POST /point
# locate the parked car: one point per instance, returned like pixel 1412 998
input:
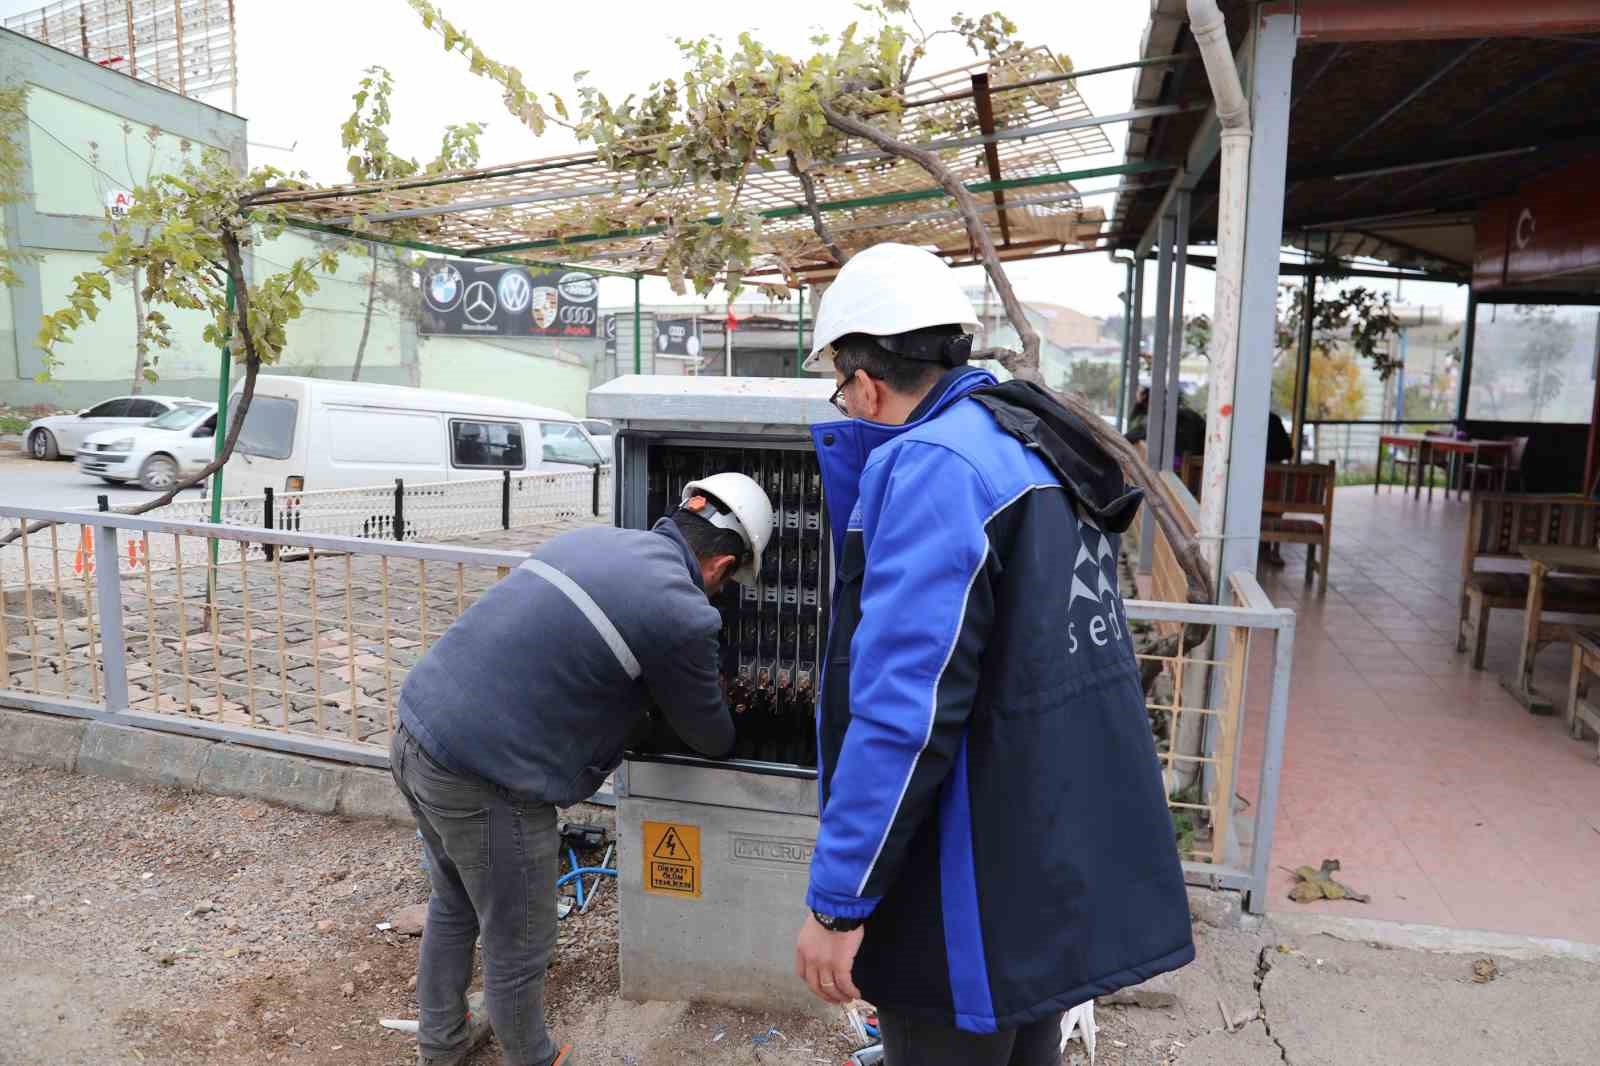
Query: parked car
pixel 315 433
pixel 156 454
pixel 60 436
pixel 600 432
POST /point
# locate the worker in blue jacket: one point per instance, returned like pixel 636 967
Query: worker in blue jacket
pixel 994 846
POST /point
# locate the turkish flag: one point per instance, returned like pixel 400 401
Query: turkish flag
pixel 732 320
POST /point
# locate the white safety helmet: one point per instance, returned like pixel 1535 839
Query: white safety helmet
pixel 884 291
pixel 736 502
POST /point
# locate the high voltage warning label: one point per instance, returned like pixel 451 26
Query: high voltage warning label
pixel 672 859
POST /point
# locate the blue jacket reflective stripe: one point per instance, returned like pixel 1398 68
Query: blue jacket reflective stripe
pixel 989 792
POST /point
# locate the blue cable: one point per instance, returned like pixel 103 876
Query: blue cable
pixel 572 857
pixel 569 875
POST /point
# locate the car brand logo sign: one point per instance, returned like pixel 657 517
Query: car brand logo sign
pixel 444 287
pixel 479 302
pixel 515 291
pixel 579 288
pixel 546 304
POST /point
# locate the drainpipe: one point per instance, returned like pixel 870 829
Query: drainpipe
pixel 1233 113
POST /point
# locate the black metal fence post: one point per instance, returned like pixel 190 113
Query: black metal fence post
pixel 505 499
pixel 399 509
pixel 594 502
pixel 267 518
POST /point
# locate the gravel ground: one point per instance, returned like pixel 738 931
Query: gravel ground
pixel 145 926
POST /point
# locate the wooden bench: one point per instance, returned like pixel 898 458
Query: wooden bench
pixel 1500 526
pixel 1296 508
pixel 1583 712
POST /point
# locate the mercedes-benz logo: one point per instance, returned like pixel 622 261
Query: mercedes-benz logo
pixel 479 302
pixel 515 291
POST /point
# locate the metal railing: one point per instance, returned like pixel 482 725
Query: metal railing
pixel 300 641
pixel 1353 444
pixel 404 511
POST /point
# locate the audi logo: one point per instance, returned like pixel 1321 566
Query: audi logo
pixel 577 316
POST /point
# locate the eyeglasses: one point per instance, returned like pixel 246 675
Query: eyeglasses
pixel 838 394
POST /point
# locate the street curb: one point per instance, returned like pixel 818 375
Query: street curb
pixel 171 760
pixel 1433 938
pixel 40 740
pixel 289 780
pixel 142 757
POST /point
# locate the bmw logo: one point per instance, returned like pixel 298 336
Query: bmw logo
pixel 444 287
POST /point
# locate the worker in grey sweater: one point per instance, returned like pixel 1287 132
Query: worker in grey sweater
pixel 526 703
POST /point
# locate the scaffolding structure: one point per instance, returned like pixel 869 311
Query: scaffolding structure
pixel 188 46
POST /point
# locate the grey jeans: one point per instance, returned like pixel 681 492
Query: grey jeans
pixel 913 1043
pixel 493 863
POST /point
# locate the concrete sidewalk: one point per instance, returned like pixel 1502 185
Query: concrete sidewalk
pixel 1313 999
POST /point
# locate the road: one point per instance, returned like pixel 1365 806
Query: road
pixel 30 483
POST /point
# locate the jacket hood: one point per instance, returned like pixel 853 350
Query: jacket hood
pixel 1086 469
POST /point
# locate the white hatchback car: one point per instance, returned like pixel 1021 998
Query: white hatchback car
pixel 60 436
pixel 156 454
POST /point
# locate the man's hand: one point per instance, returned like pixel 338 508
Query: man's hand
pixel 823 960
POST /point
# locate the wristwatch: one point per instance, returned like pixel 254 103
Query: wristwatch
pixel 834 924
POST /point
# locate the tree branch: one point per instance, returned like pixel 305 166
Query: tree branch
pixel 970 214
pixel 809 187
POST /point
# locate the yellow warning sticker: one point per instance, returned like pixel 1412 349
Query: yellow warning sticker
pixel 672 859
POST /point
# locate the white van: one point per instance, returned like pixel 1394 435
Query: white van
pixel 314 433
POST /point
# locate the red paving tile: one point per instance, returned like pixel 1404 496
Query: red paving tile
pixel 1439 794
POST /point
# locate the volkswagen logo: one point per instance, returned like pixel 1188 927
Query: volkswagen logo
pixel 479 303
pixel 515 291
pixel 444 287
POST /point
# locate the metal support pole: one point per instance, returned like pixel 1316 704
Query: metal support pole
pixel 1273 48
pixel 1302 372
pixel 399 509
pixel 1127 348
pixel 1156 439
pixel 1174 393
pixel 1136 321
pixel 224 372
pixel 1271 765
pixel 1468 350
pixel 800 332
pixel 113 646
pixel 638 353
pixel 1155 420
pixel 1270 75
pixel 505 499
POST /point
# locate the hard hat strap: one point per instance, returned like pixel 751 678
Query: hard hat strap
pixel 922 346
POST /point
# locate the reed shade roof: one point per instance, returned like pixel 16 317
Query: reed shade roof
pixel 537 212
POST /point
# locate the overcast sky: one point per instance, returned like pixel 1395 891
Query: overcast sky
pixel 300 62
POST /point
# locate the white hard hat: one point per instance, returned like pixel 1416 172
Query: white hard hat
pixel 738 504
pixel 886 290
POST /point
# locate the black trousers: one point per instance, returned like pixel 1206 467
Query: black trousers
pixel 913 1043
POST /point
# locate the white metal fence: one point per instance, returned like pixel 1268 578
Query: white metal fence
pixel 429 511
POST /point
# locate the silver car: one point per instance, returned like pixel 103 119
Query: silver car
pixel 60 436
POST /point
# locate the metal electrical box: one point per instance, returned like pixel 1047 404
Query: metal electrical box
pixel 714 855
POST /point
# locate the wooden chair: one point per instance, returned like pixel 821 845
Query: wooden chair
pixel 1500 525
pixel 1509 467
pixel 1290 493
pixel 1581 711
pixel 1296 508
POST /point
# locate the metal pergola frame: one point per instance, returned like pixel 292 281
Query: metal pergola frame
pixel 512 214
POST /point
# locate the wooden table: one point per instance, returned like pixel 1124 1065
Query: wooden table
pixel 1546 559
pixel 1423 448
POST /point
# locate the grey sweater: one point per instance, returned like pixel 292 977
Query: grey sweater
pixel 526 693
